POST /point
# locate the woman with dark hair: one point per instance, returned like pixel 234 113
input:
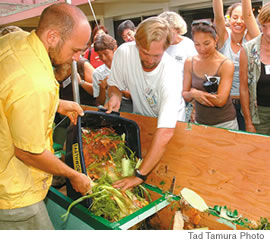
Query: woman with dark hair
pixel 242 28
pixel 208 79
pixel 90 53
pixel 255 77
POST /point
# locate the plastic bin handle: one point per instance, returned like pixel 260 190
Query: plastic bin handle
pixel 101 109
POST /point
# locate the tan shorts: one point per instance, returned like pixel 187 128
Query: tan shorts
pixel 34 217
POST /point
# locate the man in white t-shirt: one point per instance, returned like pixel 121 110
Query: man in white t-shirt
pixel 155 83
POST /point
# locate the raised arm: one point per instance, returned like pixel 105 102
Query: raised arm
pixel 244 92
pixel 219 21
pixel 249 19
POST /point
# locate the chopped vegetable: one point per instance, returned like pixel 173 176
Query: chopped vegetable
pixel 178 221
pixel 194 199
pixel 263 225
pixel 162 183
pixel 107 159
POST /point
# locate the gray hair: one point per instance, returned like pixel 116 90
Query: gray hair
pixel 176 21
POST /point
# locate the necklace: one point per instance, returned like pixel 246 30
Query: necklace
pixel 237 43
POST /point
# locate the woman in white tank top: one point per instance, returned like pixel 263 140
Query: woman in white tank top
pixel 242 28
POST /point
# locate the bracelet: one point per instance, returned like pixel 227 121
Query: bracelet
pixel 82 82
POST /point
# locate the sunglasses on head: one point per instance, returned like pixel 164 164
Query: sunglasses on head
pixel 203 22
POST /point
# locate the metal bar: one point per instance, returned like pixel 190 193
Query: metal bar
pixel 172 185
pixel 75 85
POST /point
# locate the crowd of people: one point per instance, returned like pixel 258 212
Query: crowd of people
pixel 223 72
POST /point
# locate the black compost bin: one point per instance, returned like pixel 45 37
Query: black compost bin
pixel 95 120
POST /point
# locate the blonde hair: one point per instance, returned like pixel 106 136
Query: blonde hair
pixel 153 29
pixel 231 8
pixel 264 15
pixel 176 21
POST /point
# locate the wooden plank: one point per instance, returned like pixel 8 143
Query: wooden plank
pixel 223 167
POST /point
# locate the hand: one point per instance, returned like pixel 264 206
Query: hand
pixel 127 182
pixel 103 83
pixel 70 109
pixel 81 183
pixel 203 97
pixel 79 79
pixel 193 114
pixel 113 104
pixel 250 128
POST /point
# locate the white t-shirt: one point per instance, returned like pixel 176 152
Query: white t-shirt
pixel 99 74
pixel 157 93
pixel 181 51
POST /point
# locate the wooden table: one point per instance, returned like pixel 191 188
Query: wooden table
pixel 224 167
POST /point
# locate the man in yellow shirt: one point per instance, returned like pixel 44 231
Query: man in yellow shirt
pixel 28 102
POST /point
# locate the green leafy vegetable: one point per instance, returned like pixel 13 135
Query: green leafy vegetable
pixel 109 159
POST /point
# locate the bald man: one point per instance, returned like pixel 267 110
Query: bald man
pixel 28 102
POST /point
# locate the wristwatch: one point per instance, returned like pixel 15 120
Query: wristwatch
pixel 139 175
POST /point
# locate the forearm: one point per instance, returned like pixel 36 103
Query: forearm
pixel 219 20
pixel 244 89
pixel 158 145
pixel 244 99
pixel 249 18
pixel 126 94
pixel 220 99
pixel 189 95
pixel 102 96
pixel 46 162
pixel 114 92
pixel 246 9
pixel 88 87
pixel 218 11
